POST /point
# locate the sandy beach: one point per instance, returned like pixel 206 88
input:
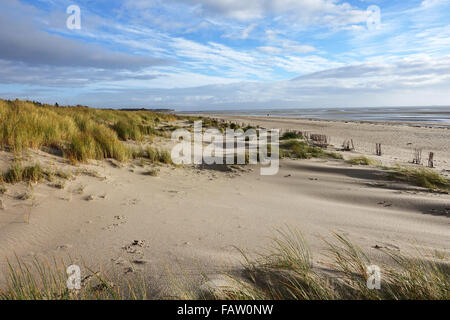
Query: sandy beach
pixel 398 139
pixel 190 219
pixel 244 151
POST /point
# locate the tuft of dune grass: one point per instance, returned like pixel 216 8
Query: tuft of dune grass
pixel 31 173
pixel 152 172
pixel 79 133
pixel 301 150
pixel 17 173
pixel 291 136
pixel 422 177
pixel 362 161
pixel 286 272
pixel 44 280
pixel 152 154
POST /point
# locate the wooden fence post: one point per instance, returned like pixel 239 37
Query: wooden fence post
pixel 378 149
pixel 431 160
pixel 417 156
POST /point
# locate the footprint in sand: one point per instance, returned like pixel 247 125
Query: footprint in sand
pixel 174 193
pixel 387 246
pixel 139 243
pixel 128 265
pixel 130 202
pixel 140 261
pixel 120 220
pixel 385 204
pixel 129 270
pixel 111 227
pixel 134 202
pixel 64 247
pixel 133 248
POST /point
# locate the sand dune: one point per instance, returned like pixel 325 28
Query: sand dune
pixel 190 218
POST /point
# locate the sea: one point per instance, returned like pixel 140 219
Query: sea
pixel 434 116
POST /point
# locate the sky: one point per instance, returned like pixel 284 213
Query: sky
pixel 227 54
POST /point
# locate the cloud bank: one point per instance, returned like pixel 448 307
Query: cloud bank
pixel 205 54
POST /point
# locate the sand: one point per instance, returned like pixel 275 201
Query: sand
pixel 188 219
pixel 398 139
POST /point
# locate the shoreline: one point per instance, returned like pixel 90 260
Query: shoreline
pixel 413 124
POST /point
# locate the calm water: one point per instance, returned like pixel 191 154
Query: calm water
pixel 430 115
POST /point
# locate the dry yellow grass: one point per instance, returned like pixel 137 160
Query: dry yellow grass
pixel 422 177
pixel 79 133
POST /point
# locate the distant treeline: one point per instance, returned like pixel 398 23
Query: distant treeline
pixel 157 110
pixel 145 109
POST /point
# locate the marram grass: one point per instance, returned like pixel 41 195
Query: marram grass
pixel 285 271
pixel 152 154
pixel 363 161
pixel 17 173
pixel 301 150
pixel 422 177
pixel 80 133
pixel 44 280
pixel 31 174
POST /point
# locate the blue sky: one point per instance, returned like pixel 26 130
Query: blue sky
pixel 219 54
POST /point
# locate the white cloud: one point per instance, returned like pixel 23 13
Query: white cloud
pixel 216 47
pixel 287 47
pixel 416 80
pixel 432 3
pixel 305 11
pixel 219 58
pixel 248 30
